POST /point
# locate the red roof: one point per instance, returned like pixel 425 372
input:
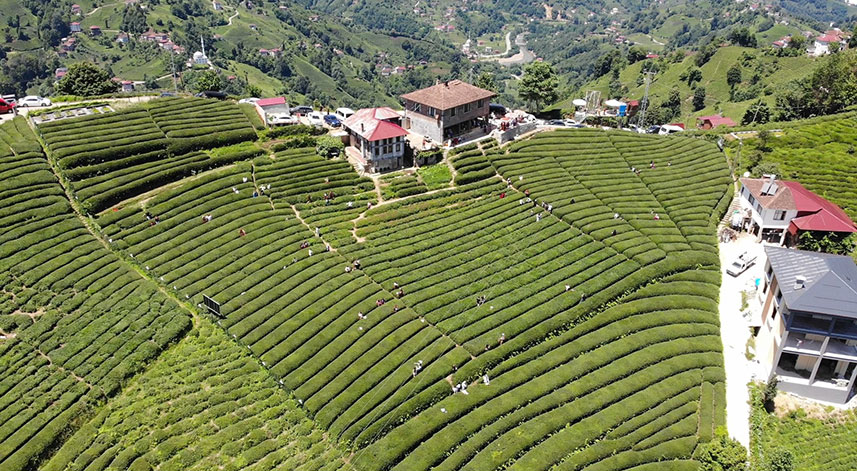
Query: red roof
pixel 827 38
pixel 386 130
pixel 95 27
pixel 715 120
pixel 825 216
pixel 272 101
pixel 374 124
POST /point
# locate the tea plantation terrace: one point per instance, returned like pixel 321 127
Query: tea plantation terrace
pixel 596 347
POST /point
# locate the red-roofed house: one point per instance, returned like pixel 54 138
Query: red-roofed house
pixel 75 9
pixel 95 30
pixel 271 107
pixel 778 211
pixel 822 43
pixel 711 122
pixel 74 27
pixel 127 86
pixel 377 138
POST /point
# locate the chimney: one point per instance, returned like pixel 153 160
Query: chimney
pixel 800 282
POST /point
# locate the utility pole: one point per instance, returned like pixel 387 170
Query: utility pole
pixel 645 104
pixel 173 67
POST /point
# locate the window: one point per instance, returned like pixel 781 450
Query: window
pixel 480 103
pixel 758 208
pixel 398 147
pixel 452 111
pixel 466 107
pixel 416 107
pixel 779 215
pixel 431 111
pixel 751 198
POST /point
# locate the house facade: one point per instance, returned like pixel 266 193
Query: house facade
pixel 446 110
pixel 376 139
pixel 779 211
pixel 808 337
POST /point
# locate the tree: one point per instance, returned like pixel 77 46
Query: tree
pixel 770 393
pixel 838 243
pixel 53 28
pixel 86 79
pixel 780 460
pixel 539 84
pixel 208 80
pixel 486 81
pixel 743 37
pixel 327 146
pixel 733 75
pixel 253 91
pixel 699 98
pixel 721 454
pixel 133 19
pixel 691 76
pixel 758 112
pixel 852 41
pixel 636 54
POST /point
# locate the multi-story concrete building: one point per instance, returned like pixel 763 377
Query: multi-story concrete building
pixel 808 337
pixel 446 110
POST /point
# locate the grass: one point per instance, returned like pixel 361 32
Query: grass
pixel 775 72
pixel 435 176
pixel 818 438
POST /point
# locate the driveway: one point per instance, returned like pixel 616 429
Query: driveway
pixel 735 332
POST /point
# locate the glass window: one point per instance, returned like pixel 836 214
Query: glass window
pixel 398 147
pixel 845 328
pixel 417 107
pixel 466 107
pixel 803 322
pixel 452 111
pixel 480 103
pixel 751 198
pixel 779 215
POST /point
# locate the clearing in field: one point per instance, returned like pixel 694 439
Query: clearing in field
pixel 552 308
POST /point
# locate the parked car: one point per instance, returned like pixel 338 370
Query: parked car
pixel 653 129
pixel 282 119
pixel 741 264
pixel 343 113
pixel 316 118
pixel 248 100
pixel 556 122
pixel 7 106
pixel 33 100
pixel 497 109
pixel 167 94
pixel 212 94
pixel 303 109
pixel 332 121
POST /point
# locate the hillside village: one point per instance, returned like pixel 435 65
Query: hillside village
pixel 311 242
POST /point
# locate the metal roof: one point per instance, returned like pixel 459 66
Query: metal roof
pixel 831 281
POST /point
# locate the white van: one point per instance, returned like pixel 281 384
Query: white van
pixel 343 113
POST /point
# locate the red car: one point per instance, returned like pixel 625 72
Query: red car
pixel 7 106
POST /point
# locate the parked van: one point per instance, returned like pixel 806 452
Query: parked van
pixel 343 113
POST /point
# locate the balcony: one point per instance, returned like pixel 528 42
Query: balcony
pixel 839 350
pixel 799 344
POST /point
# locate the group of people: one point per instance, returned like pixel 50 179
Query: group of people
pixel 207 218
pixel 380 302
pixel 417 367
pixel 152 219
pixel 480 300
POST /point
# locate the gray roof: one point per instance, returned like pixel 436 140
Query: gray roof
pixel 831 281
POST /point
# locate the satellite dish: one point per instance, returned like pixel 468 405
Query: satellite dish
pixel 578 102
pixel 746 174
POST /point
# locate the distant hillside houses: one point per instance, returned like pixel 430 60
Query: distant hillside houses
pixel 828 42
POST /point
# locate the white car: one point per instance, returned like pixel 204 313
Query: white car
pixel 248 100
pixel 281 119
pixel 34 100
pixel 316 118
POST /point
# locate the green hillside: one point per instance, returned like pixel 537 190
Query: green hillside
pixel 772 71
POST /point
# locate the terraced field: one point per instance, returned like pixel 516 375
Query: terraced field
pixel 110 157
pixel 550 310
pixel 819 155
